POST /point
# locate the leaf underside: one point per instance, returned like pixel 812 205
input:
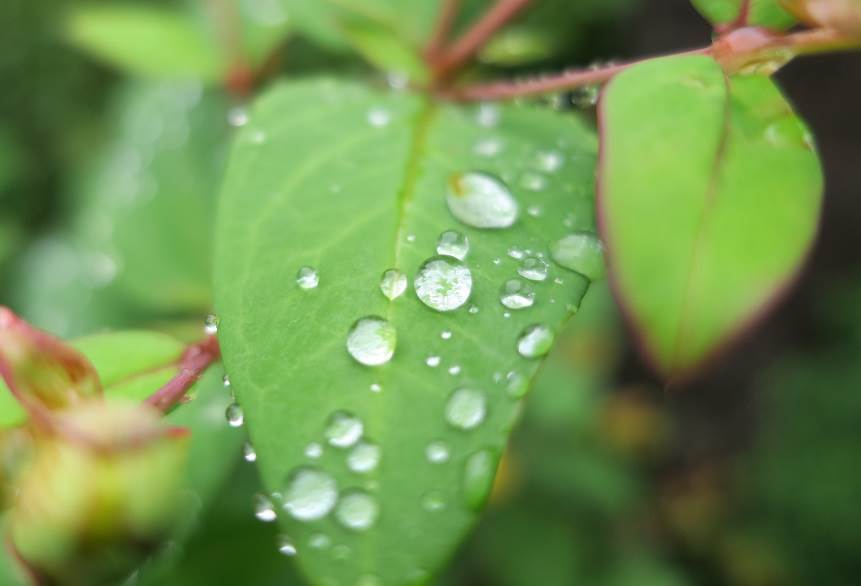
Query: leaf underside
pixel 328 190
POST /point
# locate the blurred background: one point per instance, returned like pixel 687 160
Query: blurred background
pixel 749 476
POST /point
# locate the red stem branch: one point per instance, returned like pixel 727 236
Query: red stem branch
pixel 445 22
pixel 193 364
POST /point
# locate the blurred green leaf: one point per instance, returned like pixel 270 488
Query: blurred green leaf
pixel 387 52
pixel 282 208
pixel 765 13
pixel 711 194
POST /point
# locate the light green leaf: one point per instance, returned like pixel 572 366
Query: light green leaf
pixel 387 52
pixel 146 40
pixel 765 13
pixel 353 197
pixel 711 194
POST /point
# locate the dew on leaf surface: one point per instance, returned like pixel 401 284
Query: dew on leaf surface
pixel 393 283
pixel 437 452
pixel 487 147
pixel 234 415
pixel 533 182
pixel 478 475
pixel 443 283
pixel 549 161
pixel 379 117
pixel 357 510
pixel 307 278
pixel 343 429
pixel 535 341
pixel 487 114
pixel 286 546
pixel 263 509
pixel 481 200
pixel 466 408
pixel 533 268
pixel 364 457
pixel 313 450
pixel 310 494
pixel 248 452
pixel 433 501
pixel 581 252
pixel 516 294
pixel 452 243
pixel 432 361
pixel 372 340
pixel 210 324
pixel 516 384
pixel 515 252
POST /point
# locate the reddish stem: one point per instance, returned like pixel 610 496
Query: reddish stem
pixel 192 365
pixel 445 21
pixel 471 42
pixel 240 77
pixel 741 21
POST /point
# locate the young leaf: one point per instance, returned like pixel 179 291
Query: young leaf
pixel 308 223
pixel 764 13
pixel 710 196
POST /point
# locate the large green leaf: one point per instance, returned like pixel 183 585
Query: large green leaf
pixel 710 198
pixel 765 13
pixel 329 189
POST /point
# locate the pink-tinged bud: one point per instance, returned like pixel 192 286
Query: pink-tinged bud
pixel 841 15
pixel 40 370
pixel 97 500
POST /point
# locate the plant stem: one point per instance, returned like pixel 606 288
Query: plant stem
pixel 227 21
pixel 193 364
pixel 471 42
pixel 445 21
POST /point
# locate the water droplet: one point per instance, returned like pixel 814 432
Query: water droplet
pixel 313 450
pixel 454 370
pixel 393 283
pixel 445 335
pixel 452 243
pixel 319 541
pixel 533 268
pixel 473 309
pixel 549 161
pixel 487 147
pixel 432 361
pixel 364 457
pixel 310 494
pixel 379 117
pixel 585 96
pixel 533 182
pixel 234 415
pixel 487 115
pixel 478 475
pixel 286 546
pixel 581 252
pixel 481 201
pixel 437 452
pixel 376 387
pixel 307 278
pixel 263 509
pixel 237 116
pixel 534 211
pixel 341 552
pixel 225 381
pixel 466 408
pixel 516 294
pixel 210 324
pixel 357 510
pixel 497 261
pixel 516 384
pixel 535 341
pixel 411 237
pixel 506 314
pixel 443 283
pixel 372 341
pixel 516 253
pixel 433 501
pixel 249 454
pixel 343 429
pixel 257 137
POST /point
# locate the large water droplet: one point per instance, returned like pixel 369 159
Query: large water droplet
pixel 516 294
pixel 343 429
pixel 437 452
pixel 310 494
pixel 452 243
pixel 364 457
pixel 466 408
pixel 481 201
pixel 372 340
pixel 357 510
pixel 478 475
pixel 393 283
pixel 581 252
pixel 234 415
pixel 443 283
pixel 263 509
pixel 307 278
pixel 533 268
pixel 535 341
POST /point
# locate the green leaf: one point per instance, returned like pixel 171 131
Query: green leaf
pixel 765 13
pixel 353 199
pixel 387 52
pixel 146 40
pixel 711 194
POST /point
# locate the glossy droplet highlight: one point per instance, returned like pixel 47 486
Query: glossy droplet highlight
pixel 313 450
pixel 433 501
pixel 452 243
pixel 286 546
pixel 478 474
pixel 357 510
pixel 343 429
pixel 437 452
pixel 364 457
pixel 581 252
pixel 516 294
pixel 393 283
pixel 263 509
pixel 549 161
pixel 481 201
pixel 516 384
pixel 210 324
pixel 249 454
pixel 310 494
pixel 533 268
pixel 432 361
pixel 372 340
pixel 443 283
pixel 379 117
pixel 535 341
pixel 234 415
pixel 466 408
pixel 307 278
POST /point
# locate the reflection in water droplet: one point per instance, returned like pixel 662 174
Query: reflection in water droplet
pixel 516 294
pixel 433 501
pixel 393 283
pixel 364 457
pixel 452 243
pixel 234 415
pixel 478 475
pixel 286 546
pixel 307 278
pixel 343 429
pixel 263 509
pixel 313 450
pixel 432 361
pixel 535 341
pixel 248 452
pixel 581 252
pixel 466 408
pixel 310 494
pixel 210 324
pixel 516 384
pixel 443 283
pixel 372 341
pixel 379 117
pixel 481 201
pixel 437 452
pixel 533 268
pixel 357 510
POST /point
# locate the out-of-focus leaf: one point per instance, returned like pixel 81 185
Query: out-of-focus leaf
pixel 844 15
pixel 765 13
pixel 710 197
pixel 387 52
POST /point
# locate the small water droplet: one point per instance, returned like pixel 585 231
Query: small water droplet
pixel 487 147
pixel 549 161
pixel 487 115
pixel 478 476
pixel 535 341
pixel 516 384
pixel 466 408
pixel 581 252
pixel 473 309
pixel 497 261
pixel 411 237
pixel 443 283
pixel 437 452
pixel 343 429
pixel 516 253
pixel 313 450
pixel 481 201
pixel 558 281
pixel 454 370
pixel 286 546
pixel 263 509
pixel 533 268
pixel 533 182
pixel 534 211
pixel 372 340
pixel 357 510
pixel 319 541
pixel 393 283
pixel 249 454
pixel 376 387
pixel 516 294
pixel 506 314
pixel 379 117
pixel 234 415
pixel 310 494
pixel 257 137
pixel 364 457
pixel 341 552
pixel 210 324
pixel 433 501
pixel 225 381
pixel 445 335
pixel 307 278
pixel 585 96
pixel 237 116
pixel 432 361
pixel 453 243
